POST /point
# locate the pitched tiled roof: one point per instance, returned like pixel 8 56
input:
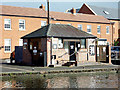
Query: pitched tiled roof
pixel 37 12
pixel 112 13
pixel 79 17
pixel 59 30
pixel 23 11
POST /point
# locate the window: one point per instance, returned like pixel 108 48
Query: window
pixel 60 43
pixel 7 24
pixel 80 27
pixel 107 13
pixel 107 29
pixel 7 45
pixel 20 42
pixel 83 43
pixel 66 46
pixel 89 28
pixel 99 29
pixel 21 24
pixel 43 23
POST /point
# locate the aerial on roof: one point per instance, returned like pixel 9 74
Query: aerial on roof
pixel 110 13
pixel 60 31
pixel 37 12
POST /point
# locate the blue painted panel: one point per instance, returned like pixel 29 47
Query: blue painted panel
pixel 18 54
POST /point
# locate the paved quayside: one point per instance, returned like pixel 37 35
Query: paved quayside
pixel 7 69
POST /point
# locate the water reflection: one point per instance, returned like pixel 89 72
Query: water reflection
pixel 62 81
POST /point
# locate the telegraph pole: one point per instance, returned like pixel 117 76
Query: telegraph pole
pixel 48 20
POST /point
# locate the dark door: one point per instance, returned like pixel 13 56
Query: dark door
pixel 72 51
pixel 35 56
pixel 38 56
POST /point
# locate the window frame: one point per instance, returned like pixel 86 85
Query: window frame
pixel 44 22
pixel 5 46
pixel 107 27
pixel 99 29
pixel 10 24
pixel 19 24
pixel 80 25
pixel 89 29
pixel 81 44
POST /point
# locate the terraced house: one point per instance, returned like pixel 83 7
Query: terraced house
pixel 19 21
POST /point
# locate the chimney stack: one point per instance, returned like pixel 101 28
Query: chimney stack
pixel 42 7
pixel 73 11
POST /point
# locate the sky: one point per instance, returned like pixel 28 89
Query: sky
pixel 60 6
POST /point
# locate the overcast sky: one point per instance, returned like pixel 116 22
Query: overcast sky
pixel 62 5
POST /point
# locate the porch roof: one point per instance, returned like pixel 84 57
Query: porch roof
pixel 59 31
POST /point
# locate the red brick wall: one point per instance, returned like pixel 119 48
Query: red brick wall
pixel 84 9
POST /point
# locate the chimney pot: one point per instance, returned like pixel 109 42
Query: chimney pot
pixel 73 11
pixel 42 7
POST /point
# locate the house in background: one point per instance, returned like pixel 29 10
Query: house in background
pixel 19 21
pixel 111 14
pixel 58 44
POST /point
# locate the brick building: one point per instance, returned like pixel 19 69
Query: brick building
pixel 111 14
pixel 19 21
pixel 58 44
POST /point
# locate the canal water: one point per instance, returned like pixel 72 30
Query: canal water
pixel 71 80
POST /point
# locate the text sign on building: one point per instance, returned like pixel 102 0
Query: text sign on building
pixel 102 42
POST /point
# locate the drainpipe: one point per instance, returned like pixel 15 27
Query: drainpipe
pixel 51 51
pixel 112 23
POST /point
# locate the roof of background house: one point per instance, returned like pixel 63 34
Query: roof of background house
pixel 78 17
pixel 60 31
pixel 37 12
pixel 110 13
pixel 22 11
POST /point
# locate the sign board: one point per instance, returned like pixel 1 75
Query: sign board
pixel 102 42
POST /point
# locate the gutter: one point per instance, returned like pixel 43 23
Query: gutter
pixel 53 19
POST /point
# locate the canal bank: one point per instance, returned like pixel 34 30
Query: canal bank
pixel 53 70
pixel 63 80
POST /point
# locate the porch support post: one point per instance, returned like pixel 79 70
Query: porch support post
pixel 110 54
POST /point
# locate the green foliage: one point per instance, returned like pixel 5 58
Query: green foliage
pixel 116 43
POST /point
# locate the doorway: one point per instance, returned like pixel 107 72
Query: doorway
pixel 102 52
pixel 72 51
pixel 37 55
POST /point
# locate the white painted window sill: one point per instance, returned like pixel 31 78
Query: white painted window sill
pixel 7 29
pixel 89 32
pixel 7 51
pixel 98 33
pixel 21 29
